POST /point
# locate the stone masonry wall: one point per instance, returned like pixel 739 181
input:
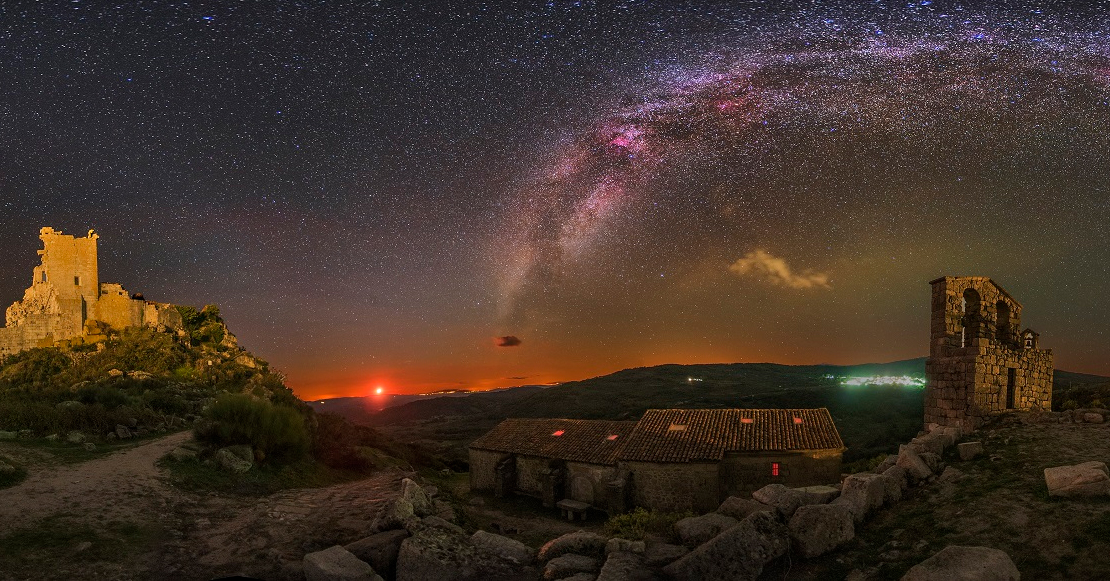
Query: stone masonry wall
pixel 675 487
pixel 977 356
pixel 742 474
pixel 483 468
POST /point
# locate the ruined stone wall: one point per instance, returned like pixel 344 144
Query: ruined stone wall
pixel 674 487
pixel 66 292
pixel 978 364
pixel 528 479
pixel 483 468
pixel 744 473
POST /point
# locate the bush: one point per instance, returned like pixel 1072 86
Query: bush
pixel 277 431
pixel 634 525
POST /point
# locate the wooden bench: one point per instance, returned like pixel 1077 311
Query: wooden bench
pixel 572 508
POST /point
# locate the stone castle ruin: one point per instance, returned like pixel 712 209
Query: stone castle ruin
pixel 68 305
pixel 979 363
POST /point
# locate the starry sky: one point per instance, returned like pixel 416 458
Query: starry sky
pixel 445 195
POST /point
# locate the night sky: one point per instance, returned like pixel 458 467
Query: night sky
pixel 428 196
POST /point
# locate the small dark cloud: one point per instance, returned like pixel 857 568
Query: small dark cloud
pixel 518 377
pixel 508 341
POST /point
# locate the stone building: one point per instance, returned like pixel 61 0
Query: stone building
pixel 67 304
pixel 670 460
pixel 981 362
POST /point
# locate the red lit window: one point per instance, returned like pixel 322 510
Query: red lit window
pixel 774 468
pixel 746 420
pixel 557 433
pixel 612 437
pixel 797 420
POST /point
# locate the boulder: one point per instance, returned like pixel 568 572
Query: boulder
pixel 504 548
pixel 443 510
pixel 950 474
pixel 820 528
pixel 7 435
pixel 696 530
pixel 933 461
pixel 6 469
pixel 89 446
pixel 914 466
pixel 580 577
pixel 617 545
pixel 659 554
pixel 412 492
pixel 1092 418
pixel 337 564
pixel 115 373
pixel 232 462
pixel 578 542
pixel 739 508
pixel 122 432
pixel 784 500
pixel 821 494
pixel 738 553
pixel 956 563
pixel 969 450
pixel 623 566
pixel 896 474
pixel 1086 479
pixel 380 550
pixel 438 554
pixel 933 442
pixel 569 564
pixel 180 454
pixel 393 515
pixel 75 437
pixel 862 493
pixel 139 375
pixel 435 521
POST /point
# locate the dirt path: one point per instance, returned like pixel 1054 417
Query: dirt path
pixel 87 488
pixel 116 518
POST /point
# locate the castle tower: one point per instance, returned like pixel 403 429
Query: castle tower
pixel 979 363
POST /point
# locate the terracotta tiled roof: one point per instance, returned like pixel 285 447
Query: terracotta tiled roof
pixel 709 433
pixel 579 441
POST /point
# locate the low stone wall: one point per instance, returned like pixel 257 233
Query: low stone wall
pixel 675 487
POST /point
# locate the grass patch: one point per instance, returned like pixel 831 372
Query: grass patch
pixel 57 542
pixel 261 480
pixel 640 522
pixel 64 452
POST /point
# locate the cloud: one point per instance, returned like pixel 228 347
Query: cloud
pixel 773 269
pixel 508 341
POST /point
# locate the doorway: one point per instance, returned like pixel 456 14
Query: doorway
pixel 1011 375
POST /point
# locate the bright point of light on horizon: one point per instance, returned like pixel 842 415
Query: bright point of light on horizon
pixel 379 390
pixel 904 380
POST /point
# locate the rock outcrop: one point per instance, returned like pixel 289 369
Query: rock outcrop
pixel 820 528
pixel 955 562
pixel 738 553
pixel 1086 479
pixel 337 564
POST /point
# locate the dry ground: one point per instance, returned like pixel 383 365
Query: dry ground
pixel 1001 502
pixel 115 517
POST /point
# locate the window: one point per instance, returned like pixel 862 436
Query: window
pixel 797 420
pixel 558 433
pixel 612 437
pixel 746 420
pixel 774 468
pixel 77 281
pixel 677 428
pixel 44 276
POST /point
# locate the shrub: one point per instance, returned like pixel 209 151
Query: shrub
pixel 277 431
pixel 634 525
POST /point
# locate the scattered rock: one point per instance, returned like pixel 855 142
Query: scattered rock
pixel 569 564
pixel 578 542
pixel 89 447
pixel 580 577
pixel 437 554
pixel 820 528
pixel 969 450
pixel 230 461
pixel 821 494
pixel 617 545
pixel 739 508
pixel 6 468
pixel 431 490
pixel 82 546
pixel 394 515
pixel 115 373
pixel 951 474
pixel 933 461
pixel 696 530
pixel 914 466
pixel 70 405
pixel 412 492
pixel 862 493
pixel 380 550
pixel 956 562
pixel 784 500
pixel 443 510
pixel 111 436
pixel 122 432
pixel 623 566
pixel 738 553
pixel 180 454
pixel 1086 479
pixel 659 554
pixel 337 564
pixel 1092 418
pixel 895 476
pixel 75 437
pixel 53 438
pixel 435 521
pixel 140 375
pixel 510 550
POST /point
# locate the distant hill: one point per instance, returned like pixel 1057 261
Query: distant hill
pixel 871 419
